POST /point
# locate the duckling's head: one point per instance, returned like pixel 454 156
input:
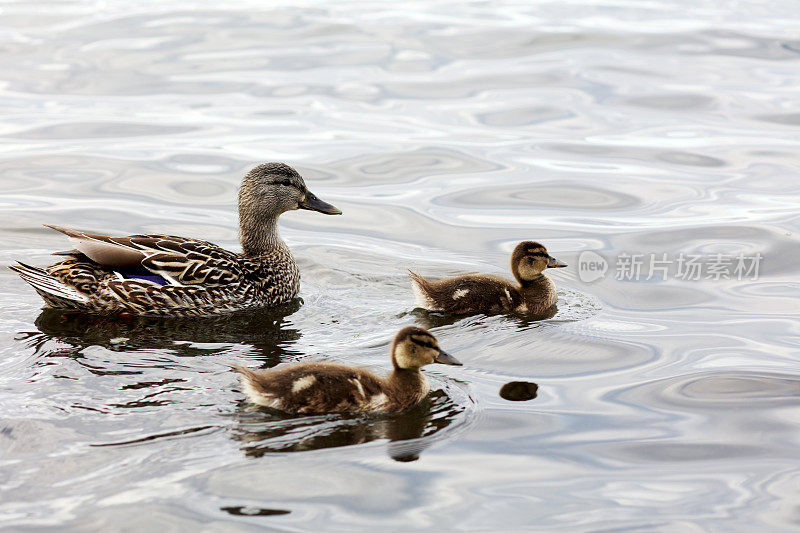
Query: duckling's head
pixel 415 347
pixel 530 259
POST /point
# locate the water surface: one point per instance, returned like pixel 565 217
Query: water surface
pixel 446 132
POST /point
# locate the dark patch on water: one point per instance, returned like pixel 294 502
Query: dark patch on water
pixel 519 391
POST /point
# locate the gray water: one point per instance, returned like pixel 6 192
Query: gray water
pixel 446 132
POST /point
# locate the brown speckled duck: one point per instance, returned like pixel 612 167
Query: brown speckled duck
pixel 161 275
pixel 319 388
pixel 470 294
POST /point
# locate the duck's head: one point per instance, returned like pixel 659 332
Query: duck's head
pixel 267 191
pixel 414 347
pixel 274 188
pixel 530 259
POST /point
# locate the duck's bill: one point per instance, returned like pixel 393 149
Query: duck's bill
pixel 315 204
pixel 446 359
pixel 552 262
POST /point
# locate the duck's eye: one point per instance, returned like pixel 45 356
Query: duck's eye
pixel 286 183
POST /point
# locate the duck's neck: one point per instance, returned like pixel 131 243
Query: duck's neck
pixel 537 282
pixel 407 386
pixel 259 236
pixel 538 294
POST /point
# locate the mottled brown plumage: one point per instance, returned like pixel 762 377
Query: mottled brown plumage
pixel 179 276
pixel 318 388
pixel 470 294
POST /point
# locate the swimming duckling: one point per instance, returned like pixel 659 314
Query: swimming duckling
pixel 178 276
pixel 472 294
pixel 321 388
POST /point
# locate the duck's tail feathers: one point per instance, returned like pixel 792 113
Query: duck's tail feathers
pixel 256 390
pixel 416 279
pixel 420 287
pixel 51 289
pixel 243 370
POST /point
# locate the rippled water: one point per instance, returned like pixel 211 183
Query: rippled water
pixel 446 132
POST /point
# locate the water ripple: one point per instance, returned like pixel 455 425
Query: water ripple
pixel 447 133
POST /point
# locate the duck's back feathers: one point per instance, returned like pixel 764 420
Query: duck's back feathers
pixel 179 260
pixel 161 275
pixel 97 289
pixel 101 249
pixel 315 388
pixel 465 294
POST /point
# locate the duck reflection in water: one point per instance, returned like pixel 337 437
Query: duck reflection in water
pixel 437 319
pixel 265 330
pixel 264 431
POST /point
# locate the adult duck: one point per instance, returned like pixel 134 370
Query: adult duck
pixel 162 275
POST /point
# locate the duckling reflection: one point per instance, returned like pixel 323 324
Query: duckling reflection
pixel 263 432
pixel 246 510
pixel 435 319
pixel 265 330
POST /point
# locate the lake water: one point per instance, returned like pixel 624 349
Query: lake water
pixel 648 133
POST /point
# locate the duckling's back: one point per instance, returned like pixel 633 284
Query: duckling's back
pixel 313 388
pixel 465 294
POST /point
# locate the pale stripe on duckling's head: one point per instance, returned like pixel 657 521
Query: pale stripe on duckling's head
pixel 529 260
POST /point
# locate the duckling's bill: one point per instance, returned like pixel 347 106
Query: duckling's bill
pixel 552 262
pixel 313 203
pixel 446 359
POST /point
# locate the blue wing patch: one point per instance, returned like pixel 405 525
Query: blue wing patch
pixel 139 273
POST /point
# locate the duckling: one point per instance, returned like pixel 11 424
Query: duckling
pixel 161 275
pixel 471 294
pixel 319 388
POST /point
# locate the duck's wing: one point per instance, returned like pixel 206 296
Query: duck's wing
pixel 179 260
